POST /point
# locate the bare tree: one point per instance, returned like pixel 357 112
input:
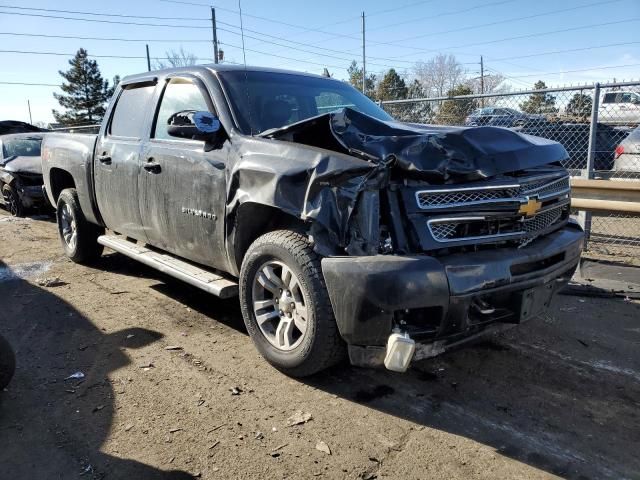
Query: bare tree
pixel 176 59
pixel 439 75
pixel 493 83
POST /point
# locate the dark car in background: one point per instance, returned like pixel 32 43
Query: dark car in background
pixel 502 117
pixel 21 172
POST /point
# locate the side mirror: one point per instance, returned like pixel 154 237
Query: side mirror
pixel 193 125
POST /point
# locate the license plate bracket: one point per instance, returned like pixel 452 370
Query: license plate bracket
pixel 534 301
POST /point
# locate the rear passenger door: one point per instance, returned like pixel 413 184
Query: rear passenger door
pixel 183 187
pixel 117 160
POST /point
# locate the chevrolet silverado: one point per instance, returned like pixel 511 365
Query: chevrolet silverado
pixel 340 229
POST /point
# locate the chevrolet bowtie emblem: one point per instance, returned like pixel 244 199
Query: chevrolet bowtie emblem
pixel 530 208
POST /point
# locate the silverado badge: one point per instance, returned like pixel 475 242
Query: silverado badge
pixel 198 213
pixel 531 207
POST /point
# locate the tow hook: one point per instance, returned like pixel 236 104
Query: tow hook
pixel 400 350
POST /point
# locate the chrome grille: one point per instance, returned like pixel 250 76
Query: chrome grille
pixel 542 220
pixel 443 231
pixel 428 199
pixel 459 197
pixel 544 188
pixel 515 228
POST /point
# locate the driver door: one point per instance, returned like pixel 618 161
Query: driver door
pixel 183 187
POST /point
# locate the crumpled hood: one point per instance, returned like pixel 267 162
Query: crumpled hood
pixel 32 164
pixel 431 153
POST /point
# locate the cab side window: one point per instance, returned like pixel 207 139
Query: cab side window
pixel 180 94
pixel 129 112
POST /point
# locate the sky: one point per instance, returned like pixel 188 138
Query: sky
pixel 525 40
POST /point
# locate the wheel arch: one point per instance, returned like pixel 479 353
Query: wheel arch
pixel 59 179
pixel 253 220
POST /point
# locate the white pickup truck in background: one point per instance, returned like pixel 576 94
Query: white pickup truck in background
pixel 620 107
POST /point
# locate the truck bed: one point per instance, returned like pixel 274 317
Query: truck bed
pixel 71 153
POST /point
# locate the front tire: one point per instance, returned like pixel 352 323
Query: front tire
pixel 286 307
pixel 79 237
pixel 12 201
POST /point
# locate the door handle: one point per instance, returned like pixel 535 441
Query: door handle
pixel 104 159
pixel 152 167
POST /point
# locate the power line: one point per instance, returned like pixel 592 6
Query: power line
pixel 124 57
pixel 103 21
pixel 182 26
pixel 31 84
pixel 566 51
pixel 444 14
pixel 266 19
pixel 510 20
pixel 308 51
pixel 284 57
pixel 111 39
pixel 574 71
pixel 539 34
pixel 146 17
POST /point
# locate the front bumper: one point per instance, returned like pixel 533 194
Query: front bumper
pixel 31 195
pixel 437 298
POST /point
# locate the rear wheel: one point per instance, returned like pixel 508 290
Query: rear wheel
pixel 79 238
pixel 12 201
pixel 286 306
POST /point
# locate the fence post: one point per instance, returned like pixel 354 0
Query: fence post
pixel 584 217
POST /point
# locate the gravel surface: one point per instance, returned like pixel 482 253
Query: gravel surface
pixel 174 389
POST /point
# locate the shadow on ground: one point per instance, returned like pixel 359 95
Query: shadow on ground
pixel 49 426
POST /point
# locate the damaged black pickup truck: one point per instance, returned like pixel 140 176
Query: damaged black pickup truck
pixel 339 228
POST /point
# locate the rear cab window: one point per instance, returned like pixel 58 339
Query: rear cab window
pixel 128 117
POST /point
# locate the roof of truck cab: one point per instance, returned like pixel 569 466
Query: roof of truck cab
pixel 211 68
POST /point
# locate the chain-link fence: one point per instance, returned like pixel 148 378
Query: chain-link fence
pixel 597 124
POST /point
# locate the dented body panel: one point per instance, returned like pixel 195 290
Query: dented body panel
pixel 439 230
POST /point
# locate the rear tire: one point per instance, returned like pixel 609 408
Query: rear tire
pixel 12 201
pixel 281 283
pixel 79 237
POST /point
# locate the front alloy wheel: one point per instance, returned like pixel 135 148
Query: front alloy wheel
pixel 279 305
pixel 285 304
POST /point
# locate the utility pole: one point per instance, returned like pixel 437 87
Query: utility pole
pixel 481 79
pixel 481 75
pixel 148 59
pixel 29 107
pixel 364 61
pixel 215 35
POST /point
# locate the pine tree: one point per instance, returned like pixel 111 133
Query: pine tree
pixel 355 78
pixel 86 92
pixel 539 102
pixel 580 105
pixel 391 87
pixel 453 112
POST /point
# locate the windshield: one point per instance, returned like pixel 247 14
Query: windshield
pixel 21 147
pixel 265 100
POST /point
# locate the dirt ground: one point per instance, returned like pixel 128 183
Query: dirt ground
pixel 556 397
